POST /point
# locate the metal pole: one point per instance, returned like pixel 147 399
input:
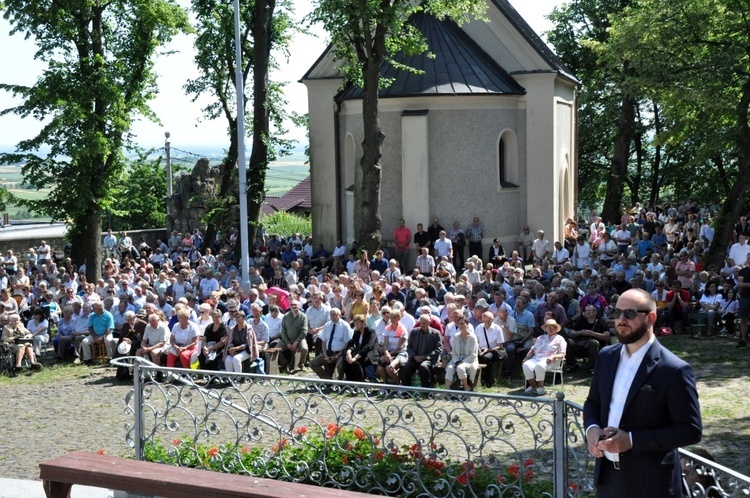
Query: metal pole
pixel 240 87
pixel 559 446
pixel 168 149
pixel 138 412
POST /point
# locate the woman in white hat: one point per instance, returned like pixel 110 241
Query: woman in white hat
pixel 547 349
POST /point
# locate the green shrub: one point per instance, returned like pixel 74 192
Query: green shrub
pixel 285 224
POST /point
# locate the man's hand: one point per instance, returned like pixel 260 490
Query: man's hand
pixel 592 441
pixel 616 441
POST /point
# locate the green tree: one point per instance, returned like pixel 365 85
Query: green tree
pixel 99 77
pixel 266 25
pixel 138 199
pixel 692 56
pixel 365 34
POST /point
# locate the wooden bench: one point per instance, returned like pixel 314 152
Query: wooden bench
pixel 156 479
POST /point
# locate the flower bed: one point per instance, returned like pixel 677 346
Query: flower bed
pixel 350 457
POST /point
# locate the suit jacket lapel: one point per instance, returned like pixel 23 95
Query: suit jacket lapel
pixel 644 370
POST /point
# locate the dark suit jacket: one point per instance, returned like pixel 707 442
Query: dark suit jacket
pixel 368 350
pixel 494 252
pixel 661 412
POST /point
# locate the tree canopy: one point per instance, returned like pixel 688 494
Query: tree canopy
pixel 99 77
pixel 692 57
pixel 266 28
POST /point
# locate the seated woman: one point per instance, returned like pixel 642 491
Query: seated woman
pixel 242 344
pixel 65 328
pixel 182 340
pixel 18 338
pixel 213 342
pixel 710 303
pixel 464 356
pixel 546 350
pixel 730 306
pixel 361 353
pixel 38 327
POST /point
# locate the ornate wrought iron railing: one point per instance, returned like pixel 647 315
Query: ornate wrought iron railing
pixel 374 438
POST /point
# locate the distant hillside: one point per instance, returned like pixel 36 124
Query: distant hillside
pixel 281 176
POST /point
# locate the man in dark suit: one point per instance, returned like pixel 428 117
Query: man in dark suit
pixel 641 407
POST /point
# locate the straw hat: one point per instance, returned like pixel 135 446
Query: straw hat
pixel 551 323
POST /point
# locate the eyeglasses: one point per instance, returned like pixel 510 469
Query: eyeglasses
pixel 629 314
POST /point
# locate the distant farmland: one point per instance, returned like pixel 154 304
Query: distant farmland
pixel 280 178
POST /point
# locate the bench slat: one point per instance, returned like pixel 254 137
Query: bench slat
pixel 166 480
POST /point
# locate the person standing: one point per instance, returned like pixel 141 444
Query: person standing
pixel 474 233
pixel 641 407
pixel 401 241
pixel 458 239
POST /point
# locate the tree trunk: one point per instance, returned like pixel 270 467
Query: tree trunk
pixel 261 128
pixel 227 169
pixel 736 201
pixel 369 208
pixel 620 157
pixel 656 165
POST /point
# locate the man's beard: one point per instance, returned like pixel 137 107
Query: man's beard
pixel 635 335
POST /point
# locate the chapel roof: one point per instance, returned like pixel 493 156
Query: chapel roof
pixel 459 67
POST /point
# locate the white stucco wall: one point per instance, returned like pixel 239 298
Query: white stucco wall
pixel 320 95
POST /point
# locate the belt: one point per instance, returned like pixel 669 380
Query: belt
pixel 615 465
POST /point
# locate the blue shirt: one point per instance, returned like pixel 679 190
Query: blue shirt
pixel 101 323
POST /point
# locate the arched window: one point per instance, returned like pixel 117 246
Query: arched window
pixel 507 160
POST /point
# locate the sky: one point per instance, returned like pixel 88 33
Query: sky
pixel 177 114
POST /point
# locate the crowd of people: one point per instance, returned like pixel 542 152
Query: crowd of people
pixel 440 309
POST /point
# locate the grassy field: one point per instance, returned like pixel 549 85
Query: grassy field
pixel 280 178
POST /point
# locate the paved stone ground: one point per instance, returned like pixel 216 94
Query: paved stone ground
pixel 45 421
pixel 41 422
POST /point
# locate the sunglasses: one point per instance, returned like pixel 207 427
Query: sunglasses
pixel 629 314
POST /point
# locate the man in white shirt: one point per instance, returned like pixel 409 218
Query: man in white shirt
pixel 208 284
pixel 540 247
pixel 443 246
pixel 491 350
pixel 739 252
pixel 317 315
pixel 110 244
pixel 335 335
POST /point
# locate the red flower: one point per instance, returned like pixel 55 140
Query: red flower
pixel 333 429
pixel 529 475
pixel 501 479
pixel 529 462
pixel 280 445
pixel 513 471
pixel 345 459
pixel 463 479
pixel 176 442
pixel 379 455
pixel 300 431
pixel 101 452
pixel 573 487
pixel 360 434
pixel 213 452
pixel 245 449
pixel 416 451
pixel 348 446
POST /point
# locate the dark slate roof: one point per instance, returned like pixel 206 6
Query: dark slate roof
pixel 460 67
